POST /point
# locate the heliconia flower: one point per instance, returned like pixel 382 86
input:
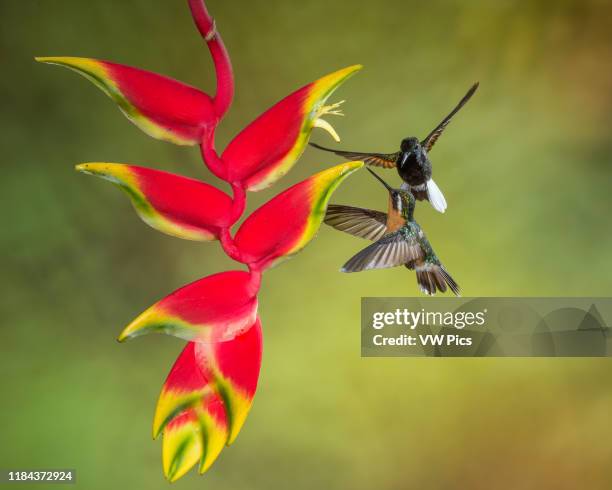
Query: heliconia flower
pixel 267 148
pixel 210 389
pixel 170 203
pixel 215 308
pixel 286 223
pixel 205 400
pixel 162 107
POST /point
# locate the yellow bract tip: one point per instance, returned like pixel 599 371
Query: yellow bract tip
pixel 119 173
pixel 323 87
pixel 48 59
pixel 97 168
pixel 139 326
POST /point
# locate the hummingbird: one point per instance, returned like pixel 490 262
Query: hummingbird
pixel 398 240
pixel 412 160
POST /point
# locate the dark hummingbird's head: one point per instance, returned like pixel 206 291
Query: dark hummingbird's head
pixel 410 144
pixel 402 200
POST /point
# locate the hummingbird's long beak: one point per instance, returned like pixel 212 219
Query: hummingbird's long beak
pixel 404 158
pixel 389 188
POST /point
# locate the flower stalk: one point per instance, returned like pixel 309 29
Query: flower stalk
pixel 223 66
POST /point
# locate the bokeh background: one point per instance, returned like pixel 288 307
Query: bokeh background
pixel 526 168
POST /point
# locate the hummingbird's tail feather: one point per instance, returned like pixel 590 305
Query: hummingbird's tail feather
pixel 434 277
pixel 435 196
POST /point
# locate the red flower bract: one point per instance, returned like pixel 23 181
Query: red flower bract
pixel 213 309
pixel 267 148
pixel 286 223
pixel 209 390
pixel 176 205
pixel 205 400
pixel 163 108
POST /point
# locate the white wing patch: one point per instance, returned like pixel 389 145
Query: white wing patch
pixel 436 198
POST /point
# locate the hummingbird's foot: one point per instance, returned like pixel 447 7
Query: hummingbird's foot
pixel 331 109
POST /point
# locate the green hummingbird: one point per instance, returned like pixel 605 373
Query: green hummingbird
pixel 412 159
pixel 398 240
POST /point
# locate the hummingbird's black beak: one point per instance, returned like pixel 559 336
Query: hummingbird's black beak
pixel 389 188
pixel 404 158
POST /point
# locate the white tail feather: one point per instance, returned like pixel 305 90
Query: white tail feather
pixel 436 198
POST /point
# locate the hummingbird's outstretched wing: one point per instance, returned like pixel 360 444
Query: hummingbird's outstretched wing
pixel 359 222
pixel 390 251
pixel 385 160
pixel 432 137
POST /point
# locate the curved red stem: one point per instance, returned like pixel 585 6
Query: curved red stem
pixel 222 102
pixel 255 278
pixel 210 156
pixel 225 237
pixel 223 65
pixel 218 167
pixel 229 247
pixel 239 202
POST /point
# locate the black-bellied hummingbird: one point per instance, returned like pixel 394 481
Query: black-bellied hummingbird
pixel 412 161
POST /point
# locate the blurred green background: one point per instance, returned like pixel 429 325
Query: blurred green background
pixel 525 168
